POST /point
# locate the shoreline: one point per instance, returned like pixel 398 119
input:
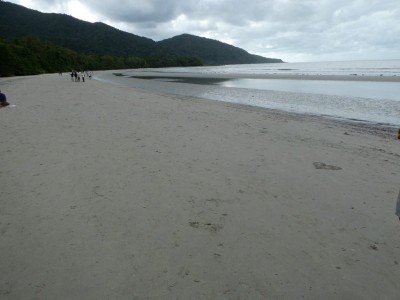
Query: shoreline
pixel 385 130
pixel 265 98
pixel 266 76
pixel 115 192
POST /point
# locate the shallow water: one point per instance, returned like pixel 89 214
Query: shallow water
pixel 367 101
pixel 367 89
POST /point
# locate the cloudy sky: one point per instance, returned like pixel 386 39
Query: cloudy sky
pixel 293 30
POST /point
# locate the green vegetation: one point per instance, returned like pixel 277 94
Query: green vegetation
pixel 32 42
pixel 31 56
pixel 212 52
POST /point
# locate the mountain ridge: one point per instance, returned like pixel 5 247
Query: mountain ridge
pixel 188 44
pixel 100 38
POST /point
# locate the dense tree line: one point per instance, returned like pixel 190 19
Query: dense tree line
pixel 212 52
pixel 31 56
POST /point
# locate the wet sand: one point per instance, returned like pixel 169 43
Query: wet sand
pixel 110 192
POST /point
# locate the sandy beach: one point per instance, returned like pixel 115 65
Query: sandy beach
pixel 110 192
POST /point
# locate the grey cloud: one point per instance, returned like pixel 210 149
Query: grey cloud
pixel 134 11
pixel 309 28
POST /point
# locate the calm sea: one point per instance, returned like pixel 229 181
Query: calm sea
pixel 367 101
pixel 361 67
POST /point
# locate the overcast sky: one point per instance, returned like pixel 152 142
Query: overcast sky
pixel 293 30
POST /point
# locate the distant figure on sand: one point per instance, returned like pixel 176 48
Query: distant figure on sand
pixel 398 206
pixel 3 100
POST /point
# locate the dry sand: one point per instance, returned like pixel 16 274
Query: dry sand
pixel 109 192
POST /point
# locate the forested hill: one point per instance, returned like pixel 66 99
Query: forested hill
pixel 72 33
pixel 212 52
pixel 99 38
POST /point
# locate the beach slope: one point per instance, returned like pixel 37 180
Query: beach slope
pixel 110 192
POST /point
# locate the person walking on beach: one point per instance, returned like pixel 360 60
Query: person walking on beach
pixel 3 100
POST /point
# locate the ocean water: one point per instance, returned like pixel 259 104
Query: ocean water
pixel 364 101
pixel 359 68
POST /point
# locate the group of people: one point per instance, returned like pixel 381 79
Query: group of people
pixel 80 76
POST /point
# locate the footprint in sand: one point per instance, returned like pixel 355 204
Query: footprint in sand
pixel 323 166
pixel 211 227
